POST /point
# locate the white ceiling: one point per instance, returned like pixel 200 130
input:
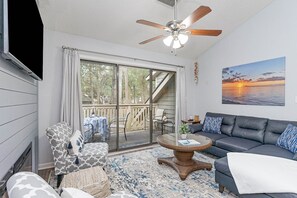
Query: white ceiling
pixel 115 20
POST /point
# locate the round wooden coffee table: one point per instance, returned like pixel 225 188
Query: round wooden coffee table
pixel 182 161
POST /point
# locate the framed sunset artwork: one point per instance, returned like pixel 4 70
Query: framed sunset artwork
pixel 258 83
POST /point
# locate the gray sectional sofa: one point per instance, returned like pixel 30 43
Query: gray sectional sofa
pixel 244 134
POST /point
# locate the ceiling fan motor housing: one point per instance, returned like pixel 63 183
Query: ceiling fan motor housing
pixel 168 2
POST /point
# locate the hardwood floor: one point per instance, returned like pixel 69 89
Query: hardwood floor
pixel 45 174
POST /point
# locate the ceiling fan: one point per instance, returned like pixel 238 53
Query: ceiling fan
pixel 177 31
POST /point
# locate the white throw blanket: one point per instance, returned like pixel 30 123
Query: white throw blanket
pixel 254 173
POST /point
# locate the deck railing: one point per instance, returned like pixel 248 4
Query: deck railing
pixel 138 118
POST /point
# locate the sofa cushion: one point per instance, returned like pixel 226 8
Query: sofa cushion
pixel 274 129
pixel 251 128
pixel 227 123
pixel 213 136
pixel 222 166
pixel 218 152
pixel 288 139
pixel 295 156
pixel 272 150
pixel 212 124
pixel 235 144
pixel 194 128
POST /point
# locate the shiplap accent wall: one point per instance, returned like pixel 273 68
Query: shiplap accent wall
pixel 18 115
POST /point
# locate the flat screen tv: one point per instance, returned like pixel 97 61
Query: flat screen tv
pixel 22 35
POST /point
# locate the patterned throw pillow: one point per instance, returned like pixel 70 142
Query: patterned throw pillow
pixel 288 139
pixel 76 143
pixel 212 124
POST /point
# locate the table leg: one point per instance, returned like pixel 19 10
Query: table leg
pixel 183 163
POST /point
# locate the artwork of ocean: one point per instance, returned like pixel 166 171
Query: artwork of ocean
pixel 259 83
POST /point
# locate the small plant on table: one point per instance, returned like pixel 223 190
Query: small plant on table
pixel 184 130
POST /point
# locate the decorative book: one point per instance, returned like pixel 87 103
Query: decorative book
pixel 189 142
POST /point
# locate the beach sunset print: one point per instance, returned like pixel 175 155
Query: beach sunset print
pixel 259 83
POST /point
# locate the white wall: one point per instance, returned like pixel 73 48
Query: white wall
pixel 270 34
pixel 18 115
pixel 50 87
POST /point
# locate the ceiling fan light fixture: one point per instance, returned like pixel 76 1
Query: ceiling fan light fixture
pixel 168 40
pixel 176 44
pixel 183 38
pixel 177 32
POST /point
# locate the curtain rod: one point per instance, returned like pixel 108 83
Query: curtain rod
pixel 119 56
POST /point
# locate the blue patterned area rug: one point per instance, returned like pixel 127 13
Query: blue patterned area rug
pixel 140 174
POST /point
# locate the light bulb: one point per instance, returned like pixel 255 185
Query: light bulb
pixel 168 40
pixel 176 44
pixel 183 38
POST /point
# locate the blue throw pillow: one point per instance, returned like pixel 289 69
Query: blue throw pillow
pixel 212 124
pixel 288 139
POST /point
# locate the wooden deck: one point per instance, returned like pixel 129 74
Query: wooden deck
pixel 134 138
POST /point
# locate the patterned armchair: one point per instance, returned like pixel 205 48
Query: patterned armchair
pixel 93 154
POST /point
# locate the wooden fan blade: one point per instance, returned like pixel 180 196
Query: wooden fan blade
pixel 151 39
pixel 206 32
pixel 149 23
pixel 196 15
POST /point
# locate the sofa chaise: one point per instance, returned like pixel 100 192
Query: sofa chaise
pixel 244 134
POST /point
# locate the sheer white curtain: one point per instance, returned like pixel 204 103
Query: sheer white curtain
pixel 71 108
pixel 181 106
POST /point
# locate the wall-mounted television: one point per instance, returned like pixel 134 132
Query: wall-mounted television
pixel 21 34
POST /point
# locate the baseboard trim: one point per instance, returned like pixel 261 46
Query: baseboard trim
pixel 46 166
pixel 110 154
pixel 115 153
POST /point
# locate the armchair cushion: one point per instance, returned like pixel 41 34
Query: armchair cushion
pixel 93 154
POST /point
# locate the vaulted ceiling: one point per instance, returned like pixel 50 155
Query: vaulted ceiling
pixel 115 20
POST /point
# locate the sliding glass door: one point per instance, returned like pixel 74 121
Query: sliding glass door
pixel 163 102
pixel 134 92
pixel 126 106
pixel 99 101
